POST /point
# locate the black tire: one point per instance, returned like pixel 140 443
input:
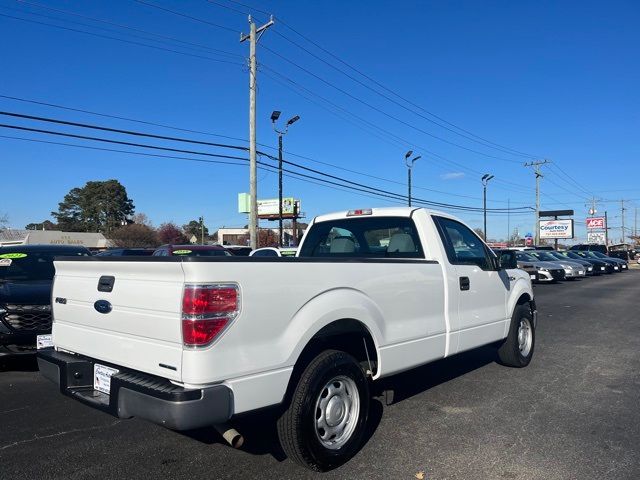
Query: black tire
pixel 297 426
pixel 513 352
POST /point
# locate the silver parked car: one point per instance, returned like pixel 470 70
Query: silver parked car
pixel 588 266
pixel 572 270
pixel 547 271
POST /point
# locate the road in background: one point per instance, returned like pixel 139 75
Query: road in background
pixel 572 414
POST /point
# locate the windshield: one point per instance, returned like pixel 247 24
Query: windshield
pixel 525 257
pixel 573 255
pixel 29 266
pixel 545 256
pixel 599 255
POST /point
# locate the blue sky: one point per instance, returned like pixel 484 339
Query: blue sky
pixel 555 80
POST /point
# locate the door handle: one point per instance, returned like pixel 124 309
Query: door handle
pixel 465 283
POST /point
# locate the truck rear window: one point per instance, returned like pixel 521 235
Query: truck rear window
pixel 371 237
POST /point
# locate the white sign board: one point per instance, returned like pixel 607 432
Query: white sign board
pixel 270 206
pixel 596 237
pixel 556 228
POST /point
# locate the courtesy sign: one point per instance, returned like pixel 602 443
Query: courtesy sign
pixel 556 228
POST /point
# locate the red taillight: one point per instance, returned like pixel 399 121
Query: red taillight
pixel 206 311
pixel 202 332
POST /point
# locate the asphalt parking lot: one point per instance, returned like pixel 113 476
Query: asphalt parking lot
pixel 572 414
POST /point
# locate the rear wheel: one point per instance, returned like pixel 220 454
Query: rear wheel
pixel 325 422
pixel 517 348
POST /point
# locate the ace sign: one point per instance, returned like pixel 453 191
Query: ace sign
pixel 595 223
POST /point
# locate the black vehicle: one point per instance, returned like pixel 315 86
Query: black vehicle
pixel 590 247
pixel 623 264
pixel 611 266
pixel 26 277
pixel 125 252
pixel 238 250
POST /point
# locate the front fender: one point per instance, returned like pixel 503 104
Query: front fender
pixel 521 286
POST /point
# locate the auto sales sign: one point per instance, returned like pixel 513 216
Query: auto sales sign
pixel 595 223
pixel 556 228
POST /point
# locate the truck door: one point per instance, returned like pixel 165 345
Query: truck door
pixel 480 289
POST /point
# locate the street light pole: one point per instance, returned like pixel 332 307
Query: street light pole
pixel 409 164
pixel 274 117
pixel 485 179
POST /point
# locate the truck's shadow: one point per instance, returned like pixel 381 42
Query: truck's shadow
pixel 20 363
pixel 259 429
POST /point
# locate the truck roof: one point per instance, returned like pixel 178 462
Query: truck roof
pixel 377 212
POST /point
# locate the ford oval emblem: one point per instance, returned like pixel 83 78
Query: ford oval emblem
pixel 102 306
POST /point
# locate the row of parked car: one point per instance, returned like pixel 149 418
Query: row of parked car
pixel 553 266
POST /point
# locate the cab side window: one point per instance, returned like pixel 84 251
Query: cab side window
pixel 462 245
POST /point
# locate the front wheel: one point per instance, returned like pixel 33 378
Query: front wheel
pixel 517 348
pixel 325 422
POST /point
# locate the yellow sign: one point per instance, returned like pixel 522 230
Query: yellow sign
pixel 13 255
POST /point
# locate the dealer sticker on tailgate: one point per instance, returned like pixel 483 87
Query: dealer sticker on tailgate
pixel 102 378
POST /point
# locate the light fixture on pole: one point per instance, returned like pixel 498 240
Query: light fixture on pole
pixel 274 118
pixel 485 179
pixel 409 164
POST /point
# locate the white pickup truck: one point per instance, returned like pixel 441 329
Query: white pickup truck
pixel 188 342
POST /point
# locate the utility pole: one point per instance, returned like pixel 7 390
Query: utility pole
pixel 508 222
pixel 622 210
pixel 202 230
pixel 253 37
pixel 606 230
pixel 536 168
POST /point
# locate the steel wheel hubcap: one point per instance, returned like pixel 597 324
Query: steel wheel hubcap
pixel 337 411
pixel 525 337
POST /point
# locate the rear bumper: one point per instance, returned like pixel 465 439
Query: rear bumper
pixel 137 394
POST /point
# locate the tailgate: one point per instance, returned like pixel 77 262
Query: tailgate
pixel 141 330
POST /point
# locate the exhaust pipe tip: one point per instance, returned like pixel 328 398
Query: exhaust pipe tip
pixel 230 435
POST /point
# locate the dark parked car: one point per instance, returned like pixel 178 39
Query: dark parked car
pixel 191 251
pixel 26 276
pixel 622 251
pixel 590 247
pixel 126 252
pixel 623 264
pixel 238 250
pixel 611 266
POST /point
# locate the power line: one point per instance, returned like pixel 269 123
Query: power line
pixel 381 111
pixel 132 42
pixel 180 14
pixel 120 25
pixel 372 125
pixel 355 185
pixel 118 130
pixel 371 79
pixel 89 147
pixel 227 137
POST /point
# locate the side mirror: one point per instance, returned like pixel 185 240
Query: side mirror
pixel 508 260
